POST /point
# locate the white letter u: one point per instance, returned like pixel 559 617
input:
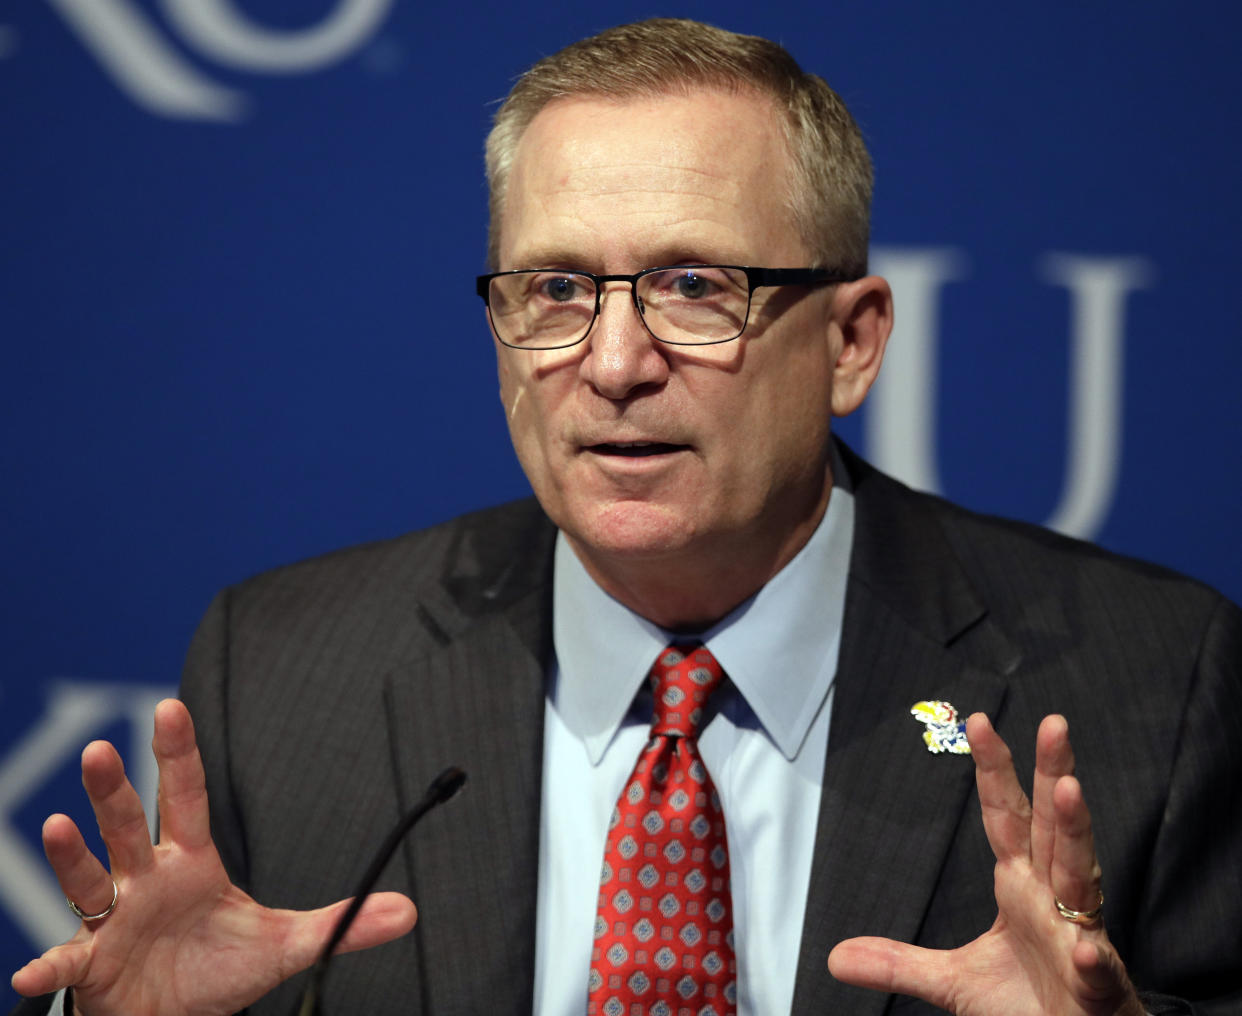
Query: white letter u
pixel 901 414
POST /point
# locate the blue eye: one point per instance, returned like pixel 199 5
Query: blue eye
pixel 561 289
pixel 692 286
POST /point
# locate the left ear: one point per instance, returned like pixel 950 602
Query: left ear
pixel 861 320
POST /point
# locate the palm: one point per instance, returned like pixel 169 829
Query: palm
pixel 182 940
pixel 216 954
pixel 1031 961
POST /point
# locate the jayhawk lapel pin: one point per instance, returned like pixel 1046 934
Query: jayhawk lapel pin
pixel 945 732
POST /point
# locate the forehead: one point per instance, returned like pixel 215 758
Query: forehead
pixel 703 174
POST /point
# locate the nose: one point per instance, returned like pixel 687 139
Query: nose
pixel 622 357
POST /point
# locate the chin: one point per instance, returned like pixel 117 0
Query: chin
pixel 632 529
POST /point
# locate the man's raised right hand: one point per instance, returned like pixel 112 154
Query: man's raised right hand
pixel 182 938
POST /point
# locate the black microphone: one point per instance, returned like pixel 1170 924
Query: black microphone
pixel 442 788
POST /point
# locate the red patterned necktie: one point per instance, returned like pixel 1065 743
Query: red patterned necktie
pixel 664 929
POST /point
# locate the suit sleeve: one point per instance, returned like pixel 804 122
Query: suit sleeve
pixel 1193 904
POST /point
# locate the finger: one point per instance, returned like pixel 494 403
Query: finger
pixel 57 968
pixel 117 807
pixel 1054 758
pixel 885 965
pixel 1006 811
pixel 383 917
pixel 183 787
pixel 1075 870
pixel 82 878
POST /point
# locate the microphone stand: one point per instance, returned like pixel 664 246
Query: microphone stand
pixel 442 788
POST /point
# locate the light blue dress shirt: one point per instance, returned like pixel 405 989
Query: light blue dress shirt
pixel 763 741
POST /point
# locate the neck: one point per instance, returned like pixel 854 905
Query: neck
pixel 691 588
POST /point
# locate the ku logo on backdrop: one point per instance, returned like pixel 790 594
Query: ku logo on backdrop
pixel 140 57
pixel 901 411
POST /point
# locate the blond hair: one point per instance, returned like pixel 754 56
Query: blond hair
pixel 830 185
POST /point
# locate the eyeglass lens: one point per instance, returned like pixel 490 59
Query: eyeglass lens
pixel 691 306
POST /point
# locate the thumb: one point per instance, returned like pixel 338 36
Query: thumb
pixel 885 965
pixel 383 917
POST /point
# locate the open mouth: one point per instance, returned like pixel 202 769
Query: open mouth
pixel 637 449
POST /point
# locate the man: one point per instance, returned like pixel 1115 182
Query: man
pixel 672 411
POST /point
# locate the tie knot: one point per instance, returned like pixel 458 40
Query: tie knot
pixel 681 680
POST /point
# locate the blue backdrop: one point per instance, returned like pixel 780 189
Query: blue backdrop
pixel 239 323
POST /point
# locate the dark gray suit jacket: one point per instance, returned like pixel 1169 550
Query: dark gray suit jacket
pixel 329 693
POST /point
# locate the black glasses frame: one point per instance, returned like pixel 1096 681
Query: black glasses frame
pixel 756 278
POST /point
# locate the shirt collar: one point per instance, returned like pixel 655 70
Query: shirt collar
pixel 779 648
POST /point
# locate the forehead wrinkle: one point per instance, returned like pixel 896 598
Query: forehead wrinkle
pixel 620 176
pixel 645 170
pixel 595 165
pixel 646 203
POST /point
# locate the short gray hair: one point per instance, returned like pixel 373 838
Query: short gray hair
pixel 830 192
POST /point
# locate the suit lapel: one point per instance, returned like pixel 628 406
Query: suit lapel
pixel 477 703
pixel 889 807
pixel 913 630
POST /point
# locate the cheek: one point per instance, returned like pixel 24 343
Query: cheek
pixel 787 428
pixel 515 387
pixel 530 411
pixel 512 395
pixel 535 389
pixel 516 384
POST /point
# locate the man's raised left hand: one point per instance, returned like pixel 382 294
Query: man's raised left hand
pixel 1035 959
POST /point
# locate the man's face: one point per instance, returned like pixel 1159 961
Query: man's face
pixel 637 449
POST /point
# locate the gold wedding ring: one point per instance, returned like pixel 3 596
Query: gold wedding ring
pixel 116 892
pixel 1081 916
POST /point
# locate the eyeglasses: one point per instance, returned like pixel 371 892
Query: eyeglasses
pixel 683 305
